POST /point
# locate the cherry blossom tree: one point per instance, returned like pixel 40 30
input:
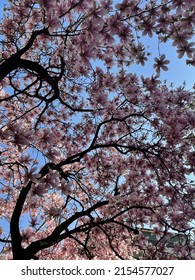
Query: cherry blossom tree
pixel 91 152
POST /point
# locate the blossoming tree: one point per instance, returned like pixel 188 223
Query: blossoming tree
pixel 91 152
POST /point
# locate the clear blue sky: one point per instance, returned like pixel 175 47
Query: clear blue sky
pixel 178 70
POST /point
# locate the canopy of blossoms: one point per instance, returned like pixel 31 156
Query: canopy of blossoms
pixel 91 152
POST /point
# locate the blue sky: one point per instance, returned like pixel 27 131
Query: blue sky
pixel 178 70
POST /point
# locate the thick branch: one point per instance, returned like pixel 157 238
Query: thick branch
pixel 14 224
pixel 36 67
pixel 55 236
pixel 12 62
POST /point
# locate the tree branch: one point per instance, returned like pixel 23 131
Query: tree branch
pixel 14 223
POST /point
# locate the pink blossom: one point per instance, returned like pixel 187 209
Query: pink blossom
pixel 48 137
pixel 101 99
pixel 39 189
pixel 53 24
pixel 191 61
pixel 148 27
pixel 51 180
pixel 54 211
pixel 53 154
pixel 26 159
pixel 30 175
pixel 141 58
pixel 186 48
pixel 93 27
pixel 114 23
pixel 161 63
pixel 46 3
pixel 87 53
pixel 125 6
pixel 66 187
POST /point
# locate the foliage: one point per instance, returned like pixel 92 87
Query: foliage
pixel 91 152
